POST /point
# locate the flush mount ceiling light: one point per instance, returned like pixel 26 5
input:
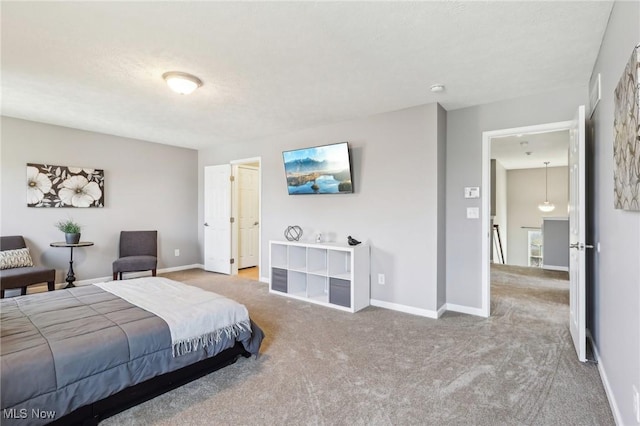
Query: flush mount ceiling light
pixel 181 82
pixel 546 207
pixel 437 88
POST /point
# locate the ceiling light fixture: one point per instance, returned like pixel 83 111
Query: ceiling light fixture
pixel 546 207
pixel 181 82
pixel 437 88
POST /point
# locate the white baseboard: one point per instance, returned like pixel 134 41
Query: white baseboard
pixel 617 417
pixel 556 268
pixel 406 309
pixel 181 268
pixel 465 310
pixel 134 275
pixel 265 280
pixel 427 312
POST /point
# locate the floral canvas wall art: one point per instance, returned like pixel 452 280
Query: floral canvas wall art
pixel 62 186
pixel 626 136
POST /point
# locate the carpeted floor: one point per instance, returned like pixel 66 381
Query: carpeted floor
pixel 379 367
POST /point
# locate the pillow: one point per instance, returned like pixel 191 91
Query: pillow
pixel 17 258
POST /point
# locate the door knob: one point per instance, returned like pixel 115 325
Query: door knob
pixel 206 224
pixel 256 223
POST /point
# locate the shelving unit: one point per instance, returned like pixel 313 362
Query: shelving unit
pixel 534 248
pixel 334 275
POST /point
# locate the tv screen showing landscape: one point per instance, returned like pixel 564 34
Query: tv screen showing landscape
pixel 319 170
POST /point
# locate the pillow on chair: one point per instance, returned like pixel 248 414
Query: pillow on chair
pixel 18 258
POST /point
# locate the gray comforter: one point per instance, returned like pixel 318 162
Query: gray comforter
pixel 65 349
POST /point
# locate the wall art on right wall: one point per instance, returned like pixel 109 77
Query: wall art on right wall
pixel 626 136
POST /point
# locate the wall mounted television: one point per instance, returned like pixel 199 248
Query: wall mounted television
pixel 322 169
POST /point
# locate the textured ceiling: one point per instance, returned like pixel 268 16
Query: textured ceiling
pixel 511 151
pixel 274 67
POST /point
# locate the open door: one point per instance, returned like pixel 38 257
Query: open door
pixel 248 215
pixel 577 234
pixel 217 218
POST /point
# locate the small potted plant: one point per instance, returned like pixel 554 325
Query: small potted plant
pixel 71 230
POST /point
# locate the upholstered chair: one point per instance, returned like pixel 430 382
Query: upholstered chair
pixel 18 269
pixel 138 252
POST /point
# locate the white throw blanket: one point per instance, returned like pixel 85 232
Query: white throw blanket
pixel 195 317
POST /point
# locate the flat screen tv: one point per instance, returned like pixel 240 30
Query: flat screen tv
pixel 319 170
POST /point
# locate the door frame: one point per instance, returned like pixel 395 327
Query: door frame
pixel 234 211
pixel 486 199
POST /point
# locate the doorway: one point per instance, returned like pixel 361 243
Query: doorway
pixel 527 171
pixel 577 220
pixel 232 216
pixel 487 230
pixel 246 202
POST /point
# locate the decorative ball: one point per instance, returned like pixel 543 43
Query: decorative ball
pixel 293 233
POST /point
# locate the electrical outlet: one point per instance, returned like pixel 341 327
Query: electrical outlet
pixel 636 403
pixel 381 279
pixel 176 252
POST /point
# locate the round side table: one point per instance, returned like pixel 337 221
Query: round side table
pixel 70 275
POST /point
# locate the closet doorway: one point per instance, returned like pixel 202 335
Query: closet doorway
pixel 232 212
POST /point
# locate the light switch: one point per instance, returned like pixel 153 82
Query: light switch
pixel 473 212
pixel 472 192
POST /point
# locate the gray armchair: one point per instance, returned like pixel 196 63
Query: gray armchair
pixel 23 276
pixel 138 252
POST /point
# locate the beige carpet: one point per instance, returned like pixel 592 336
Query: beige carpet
pixel 379 367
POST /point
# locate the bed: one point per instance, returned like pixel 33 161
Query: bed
pixel 85 353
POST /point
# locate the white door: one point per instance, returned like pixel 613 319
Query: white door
pixel 248 223
pixel 577 237
pixel 217 218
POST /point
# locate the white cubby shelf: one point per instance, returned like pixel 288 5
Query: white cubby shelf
pixel 328 274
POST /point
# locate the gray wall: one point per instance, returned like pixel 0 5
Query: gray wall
pixel 464 168
pixel 147 186
pixel 395 208
pixel 616 326
pixel 525 190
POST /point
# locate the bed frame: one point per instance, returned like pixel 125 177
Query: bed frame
pixel 92 414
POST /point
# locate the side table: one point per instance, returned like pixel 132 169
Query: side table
pixel 70 275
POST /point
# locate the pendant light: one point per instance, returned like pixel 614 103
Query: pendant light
pixel 546 207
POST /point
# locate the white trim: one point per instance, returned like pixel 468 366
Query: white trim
pixel 617 417
pixel 265 280
pixel 135 274
pixel 595 94
pixel 465 310
pixel 442 310
pixel 181 268
pixel 485 214
pixel 406 309
pixel 485 232
pixel 555 268
pixel 247 160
